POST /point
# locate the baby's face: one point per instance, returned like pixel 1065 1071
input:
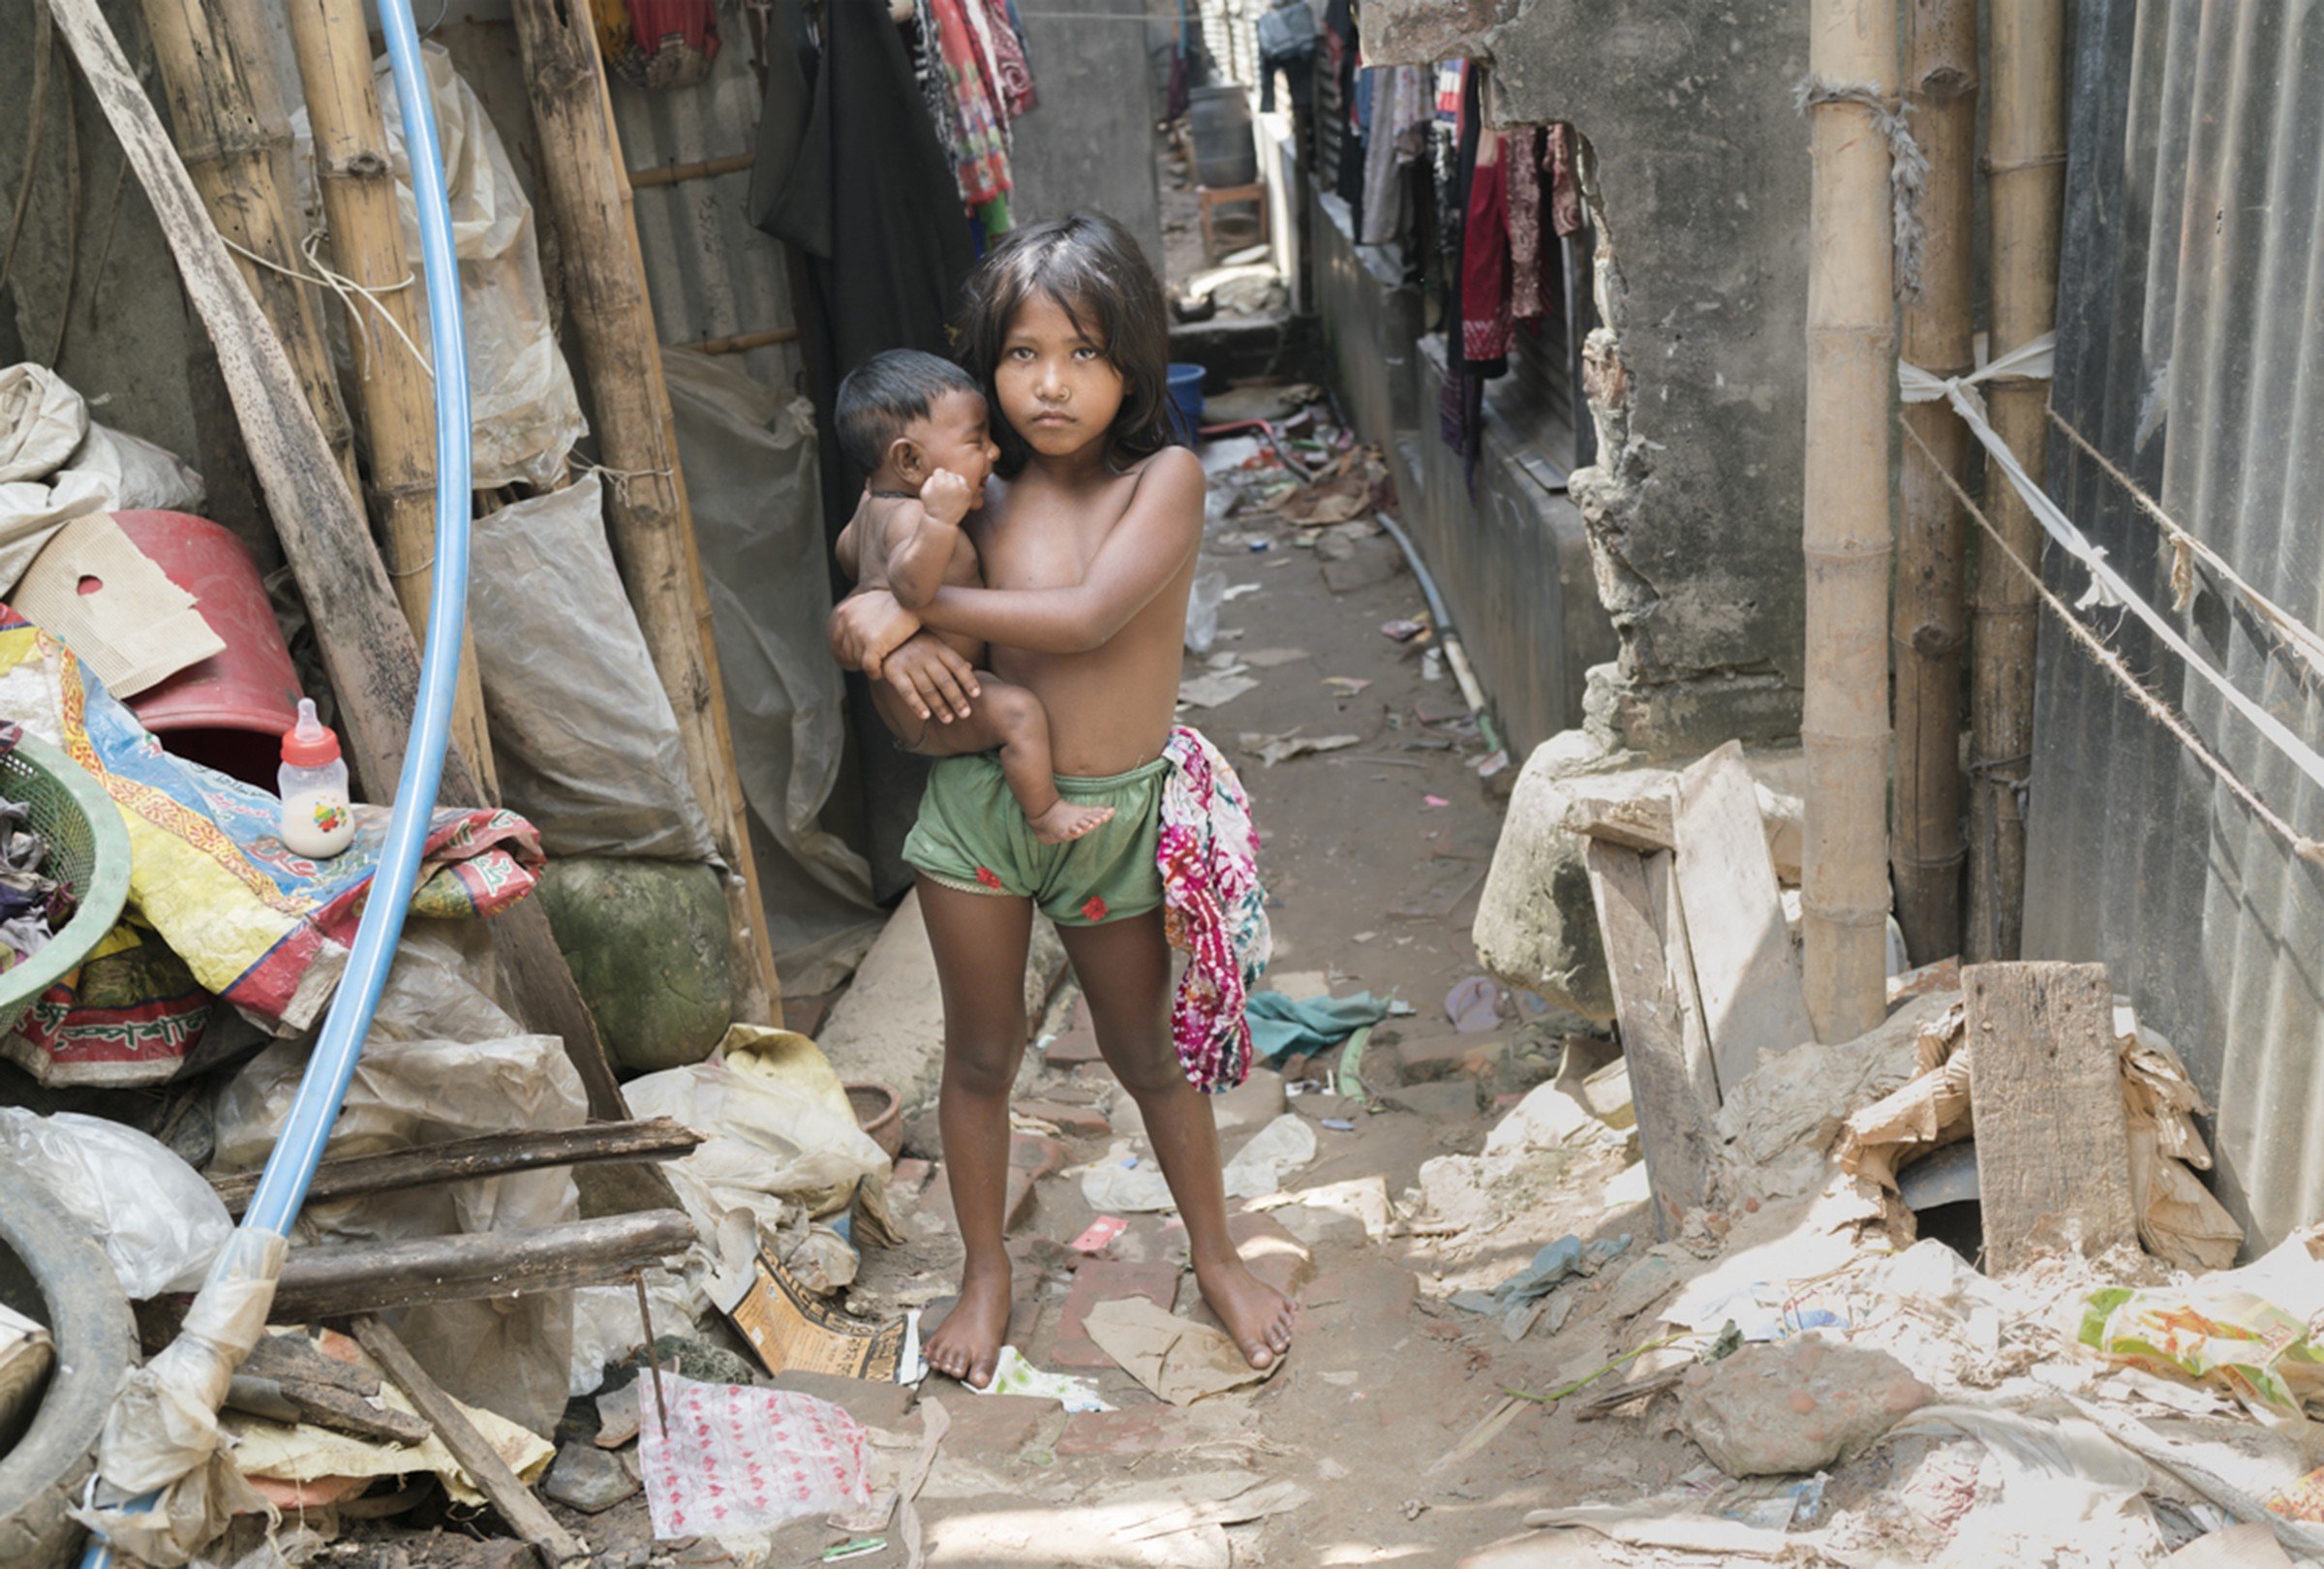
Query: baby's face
pixel 956 435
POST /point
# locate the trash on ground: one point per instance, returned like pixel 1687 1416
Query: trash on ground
pixel 736 1459
pixel 1099 1233
pixel 1285 744
pixel 1178 1359
pixel 793 1329
pixel 1802 1405
pixel 160 1224
pixel 1214 689
pixel 1282 1027
pixel 1474 1004
pixel 1013 1374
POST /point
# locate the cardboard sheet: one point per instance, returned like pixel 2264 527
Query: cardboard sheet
pixel 99 594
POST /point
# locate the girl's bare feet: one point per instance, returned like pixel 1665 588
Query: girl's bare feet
pixel 966 1345
pixel 1255 1313
pixel 1065 821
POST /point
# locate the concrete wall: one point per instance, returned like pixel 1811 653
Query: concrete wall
pixel 1090 142
pixel 1511 557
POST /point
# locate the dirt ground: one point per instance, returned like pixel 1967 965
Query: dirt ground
pixel 1373 855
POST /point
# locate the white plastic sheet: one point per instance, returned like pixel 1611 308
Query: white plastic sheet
pixel 57 464
pixel 160 1224
pixel 585 736
pixel 525 416
pixel 750 456
pixel 442 1061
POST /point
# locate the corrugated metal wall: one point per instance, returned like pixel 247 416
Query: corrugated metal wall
pixel 2192 352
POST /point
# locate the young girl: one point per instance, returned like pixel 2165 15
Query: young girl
pixel 1088 549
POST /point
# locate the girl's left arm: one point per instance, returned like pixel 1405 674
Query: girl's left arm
pixel 1157 536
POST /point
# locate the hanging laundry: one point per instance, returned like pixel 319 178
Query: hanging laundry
pixel 1012 60
pixel 1565 184
pixel 1343 51
pixel 659 43
pixel 1484 321
pixel 850 174
pixel 1521 155
pixel 1287 44
pixel 980 155
pixel 1399 111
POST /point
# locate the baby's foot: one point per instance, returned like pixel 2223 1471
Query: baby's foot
pixel 966 1345
pixel 1066 821
pixel 1255 1313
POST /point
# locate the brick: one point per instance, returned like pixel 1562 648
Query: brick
pixel 1446 1056
pixel 1446 1098
pixel 1074 1121
pixel 910 1175
pixel 1142 1430
pixel 873 1402
pixel 924 1137
pixel 998 1424
pixel 1076 1043
pixel 1038 1154
pixel 1107 1280
pixel 1249 1106
pixel 1016 1202
pixel 1272 1253
pixel 1373 1291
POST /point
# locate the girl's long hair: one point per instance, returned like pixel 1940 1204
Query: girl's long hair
pixel 1094 271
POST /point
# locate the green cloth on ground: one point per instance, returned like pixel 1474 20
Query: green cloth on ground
pixel 1281 1027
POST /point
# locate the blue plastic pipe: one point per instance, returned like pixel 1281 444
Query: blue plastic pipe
pixel 297 1150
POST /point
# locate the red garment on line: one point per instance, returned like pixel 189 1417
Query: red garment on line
pixel 1485 320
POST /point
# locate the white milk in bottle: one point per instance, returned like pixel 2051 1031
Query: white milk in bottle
pixel 316 821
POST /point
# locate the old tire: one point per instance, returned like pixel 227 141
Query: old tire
pixel 51 1274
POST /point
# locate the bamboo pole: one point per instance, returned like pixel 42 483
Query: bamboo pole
pixel 2024 184
pixel 1930 625
pixel 1852 375
pixel 393 387
pixel 373 662
pixel 226 109
pixel 647 518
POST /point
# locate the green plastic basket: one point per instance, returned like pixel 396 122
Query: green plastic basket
pixel 89 847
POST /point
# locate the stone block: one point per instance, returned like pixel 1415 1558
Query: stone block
pixel 649 950
pixel 1446 1098
pixel 1449 1057
pixel 873 1402
pixel 586 1478
pixel 1141 1429
pixel 1107 1280
pixel 1794 1407
pixel 1272 1253
pixel 998 1424
pixel 1036 1152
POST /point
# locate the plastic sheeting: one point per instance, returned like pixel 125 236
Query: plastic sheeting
pixel 750 457
pixel 57 464
pixel 526 416
pixel 160 1224
pixel 442 1061
pixel 585 736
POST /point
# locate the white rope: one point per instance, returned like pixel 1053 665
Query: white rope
pixel 2108 587
pixel 347 291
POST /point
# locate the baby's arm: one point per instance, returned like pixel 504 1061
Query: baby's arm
pixel 923 536
pixel 1149 546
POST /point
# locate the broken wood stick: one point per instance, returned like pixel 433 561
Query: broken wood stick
pixel 332 1282
pixel 1676 1106
pixel 366 646
pixel 489 1155
pixel 527 1514
pixel 292 1401
pixel 1640 822
pixel 2052 1141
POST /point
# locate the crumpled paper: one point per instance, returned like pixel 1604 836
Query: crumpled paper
pixel 1012 1375
pixel 1178 1359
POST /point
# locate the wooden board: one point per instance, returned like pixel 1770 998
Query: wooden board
pixel 1745 966
pixel 1678 969
pixel 1675 1107
pixel 2052 1143
pixel 1641 822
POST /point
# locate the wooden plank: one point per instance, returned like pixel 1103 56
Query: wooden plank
pixel 527 1514
pixel 332 1282
pixel 1676 1111
pixel 366 646
pixel 2045 1085
pixel 648 520
pixel 1753 1000
pixel 1640 822
pixel 1678 968
pixel 490 1154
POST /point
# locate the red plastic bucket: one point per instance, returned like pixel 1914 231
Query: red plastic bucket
pixel 229 711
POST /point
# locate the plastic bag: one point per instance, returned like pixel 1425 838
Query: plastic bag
pixel 584 733
pixel 778 1126
pixel 750 456
pixel 524 415
pixel 1201 610
pixel 57 464
pixel 442 1061
pixel 160 1224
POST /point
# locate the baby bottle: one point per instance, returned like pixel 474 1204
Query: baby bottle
pixel 316 822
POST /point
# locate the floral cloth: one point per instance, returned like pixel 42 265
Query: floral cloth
pixel 977 127
pixel 1213 910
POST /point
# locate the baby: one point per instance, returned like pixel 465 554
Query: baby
pixel 918 426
